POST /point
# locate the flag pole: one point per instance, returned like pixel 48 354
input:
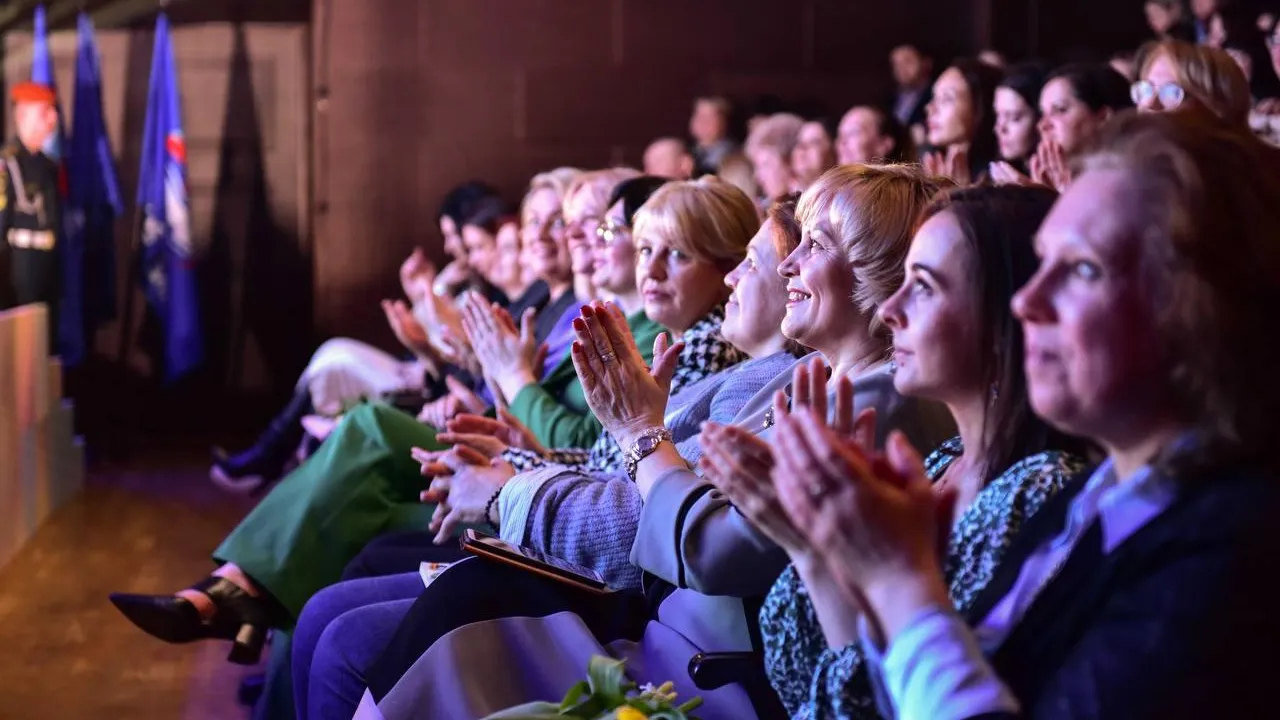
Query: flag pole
pixel 135 271
pixel 133 283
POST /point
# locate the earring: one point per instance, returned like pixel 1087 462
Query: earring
pixel 995 391
pixel 893 366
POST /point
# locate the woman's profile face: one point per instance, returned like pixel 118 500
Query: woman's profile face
pixel 507 271
pixel 935 316
pixel 615 254
pixel 1092 362
pixel 543 236
pixel 1015 125
pixel 813 153
pixel 772 173
pixel 951 113
pixel 821 312
pixel 757 294
pixel 452 238
pixel 481 250
pixel 1064 119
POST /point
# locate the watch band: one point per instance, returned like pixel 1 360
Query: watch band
pixel 644 446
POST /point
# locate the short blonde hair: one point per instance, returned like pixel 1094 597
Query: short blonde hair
pixel 872 212
pixel 777 133
pixel 557 181
pixel 600 183
pixel 1207 74
pixel 707 219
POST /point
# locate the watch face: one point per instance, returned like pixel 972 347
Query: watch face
pixel 647 443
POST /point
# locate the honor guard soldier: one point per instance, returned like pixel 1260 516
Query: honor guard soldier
pixel 30 214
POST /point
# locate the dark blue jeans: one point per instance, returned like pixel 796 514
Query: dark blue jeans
pixel 341 633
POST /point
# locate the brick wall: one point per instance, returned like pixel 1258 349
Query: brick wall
pixel 413 97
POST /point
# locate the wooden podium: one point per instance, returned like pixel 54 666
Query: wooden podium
pixel 41 459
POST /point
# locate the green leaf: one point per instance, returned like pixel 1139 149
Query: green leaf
pixel 529 711
pixel 608 680
pixel 574 696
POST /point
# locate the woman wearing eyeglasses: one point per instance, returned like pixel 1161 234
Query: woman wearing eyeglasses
pixel 1180 76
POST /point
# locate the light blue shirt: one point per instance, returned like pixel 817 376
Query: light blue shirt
pixel 936 668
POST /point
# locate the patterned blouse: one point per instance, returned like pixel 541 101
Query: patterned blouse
pixel 705 353
pixel 815 681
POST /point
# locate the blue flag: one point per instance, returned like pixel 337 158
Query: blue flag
pixel 168 261
pixel 71 339
pixel 93 197
pixel 42 72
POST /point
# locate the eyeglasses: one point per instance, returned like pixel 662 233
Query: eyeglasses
pixel 609 232
pixel 1170 95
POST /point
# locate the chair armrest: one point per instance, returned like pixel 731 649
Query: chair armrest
pixel 710 671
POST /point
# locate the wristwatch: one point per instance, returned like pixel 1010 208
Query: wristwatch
pixel 644 446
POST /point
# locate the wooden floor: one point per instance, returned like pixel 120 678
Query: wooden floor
pixel 65 653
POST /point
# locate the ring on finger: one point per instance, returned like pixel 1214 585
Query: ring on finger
pixel 608 357
pixel 816 489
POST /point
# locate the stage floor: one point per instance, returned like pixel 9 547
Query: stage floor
pixel 64 650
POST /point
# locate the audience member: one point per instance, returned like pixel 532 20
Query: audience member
pixel 813 154
pixel 870 135
pixel 769 147
pixel 669 158
pixel 961 122
pixel 1077 100
pixel 1192 78
pixel 913 80
pixel 1017 112
pixel 709 127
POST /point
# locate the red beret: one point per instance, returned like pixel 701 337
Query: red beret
pixel 33 92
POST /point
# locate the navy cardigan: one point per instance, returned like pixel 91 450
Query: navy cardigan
pixel 1179 621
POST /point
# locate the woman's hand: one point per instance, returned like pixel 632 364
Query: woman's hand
pixel 954 164
pixel 454 275
pixel 1002 173
pixel 464 491
pixel 507 429
pixel 627 397
pixel 873 520
pixel 740 463
pixel 408 330
pixel 507 355
pixel 1049 165
pixel 416 275
pixel 459 399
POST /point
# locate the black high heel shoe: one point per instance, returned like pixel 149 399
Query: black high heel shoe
pixel 241 618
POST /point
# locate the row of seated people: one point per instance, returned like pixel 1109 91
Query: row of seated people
pixel 1015 128
pixel 933 450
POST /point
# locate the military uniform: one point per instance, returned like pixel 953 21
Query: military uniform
pixel 30 219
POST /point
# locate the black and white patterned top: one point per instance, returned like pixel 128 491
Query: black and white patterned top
pixel 815 681
pixel 705 353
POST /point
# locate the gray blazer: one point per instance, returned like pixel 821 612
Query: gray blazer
pixel 691 535
pixel 591 519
